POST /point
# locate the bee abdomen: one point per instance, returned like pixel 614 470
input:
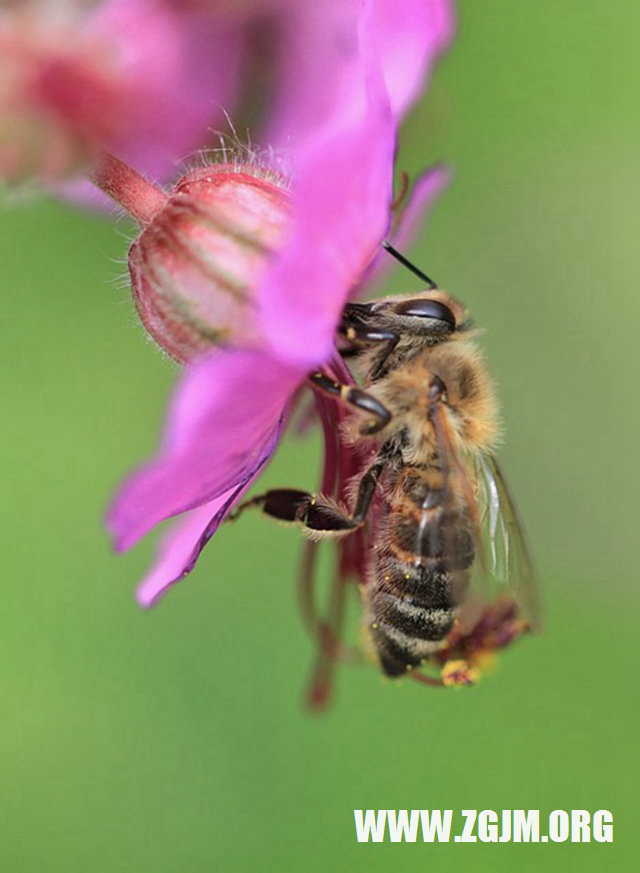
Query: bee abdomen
pixel 448 534
pixel 396 651
pixel 412 609
pixel 430 584
pixel 412 618
pixel 422 572
pixel 406 631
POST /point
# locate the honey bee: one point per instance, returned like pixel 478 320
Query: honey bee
pixel 428 502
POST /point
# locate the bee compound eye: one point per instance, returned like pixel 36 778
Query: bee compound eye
pixel 425 308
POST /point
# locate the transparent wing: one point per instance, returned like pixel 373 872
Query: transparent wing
pixel 503 569
pixel 507 554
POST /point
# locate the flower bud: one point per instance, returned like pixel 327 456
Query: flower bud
pixel 197 264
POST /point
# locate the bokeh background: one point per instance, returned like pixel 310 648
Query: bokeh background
pixel 177 740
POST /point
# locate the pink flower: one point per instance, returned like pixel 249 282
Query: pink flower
pixel 230 408
pixel 135 77
pixel 312 40
pixel 150 80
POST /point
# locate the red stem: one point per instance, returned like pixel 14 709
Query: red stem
pixel 140 197
pixel 426 680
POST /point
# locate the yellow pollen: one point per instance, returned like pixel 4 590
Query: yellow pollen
pixel 457 673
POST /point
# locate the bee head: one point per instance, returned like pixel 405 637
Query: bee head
pixel 432 313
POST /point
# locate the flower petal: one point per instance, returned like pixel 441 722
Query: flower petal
pixel 410 35
pixel 343 189
pixel 318 46
pixel 180 547
pixel 317 51
pixel 223 425
pixel 180 71
pixel 143 79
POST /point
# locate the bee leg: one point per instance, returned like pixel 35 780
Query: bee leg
pixel 355 397
pixel 282 504
pixel 367 487
pixel 360 333
pixel 353 329
pixel 323 516
pixel 314 512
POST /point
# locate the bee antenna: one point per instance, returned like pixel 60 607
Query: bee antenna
pixel 407 263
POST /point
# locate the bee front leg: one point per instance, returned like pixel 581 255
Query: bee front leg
pixel 363 336
pixel 355 397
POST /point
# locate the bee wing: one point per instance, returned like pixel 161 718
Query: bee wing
pixel 503 560
pixel 460 522
pixel 507 553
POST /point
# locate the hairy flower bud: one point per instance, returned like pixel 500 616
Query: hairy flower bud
pixel 197 263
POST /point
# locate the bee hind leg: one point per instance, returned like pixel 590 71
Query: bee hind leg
pixel 317 515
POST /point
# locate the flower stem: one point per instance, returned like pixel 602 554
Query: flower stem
pixel 140 197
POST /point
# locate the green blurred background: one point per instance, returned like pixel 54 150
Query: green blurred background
pixel 177 740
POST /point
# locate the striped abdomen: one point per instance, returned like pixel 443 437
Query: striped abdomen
pixel 425 551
